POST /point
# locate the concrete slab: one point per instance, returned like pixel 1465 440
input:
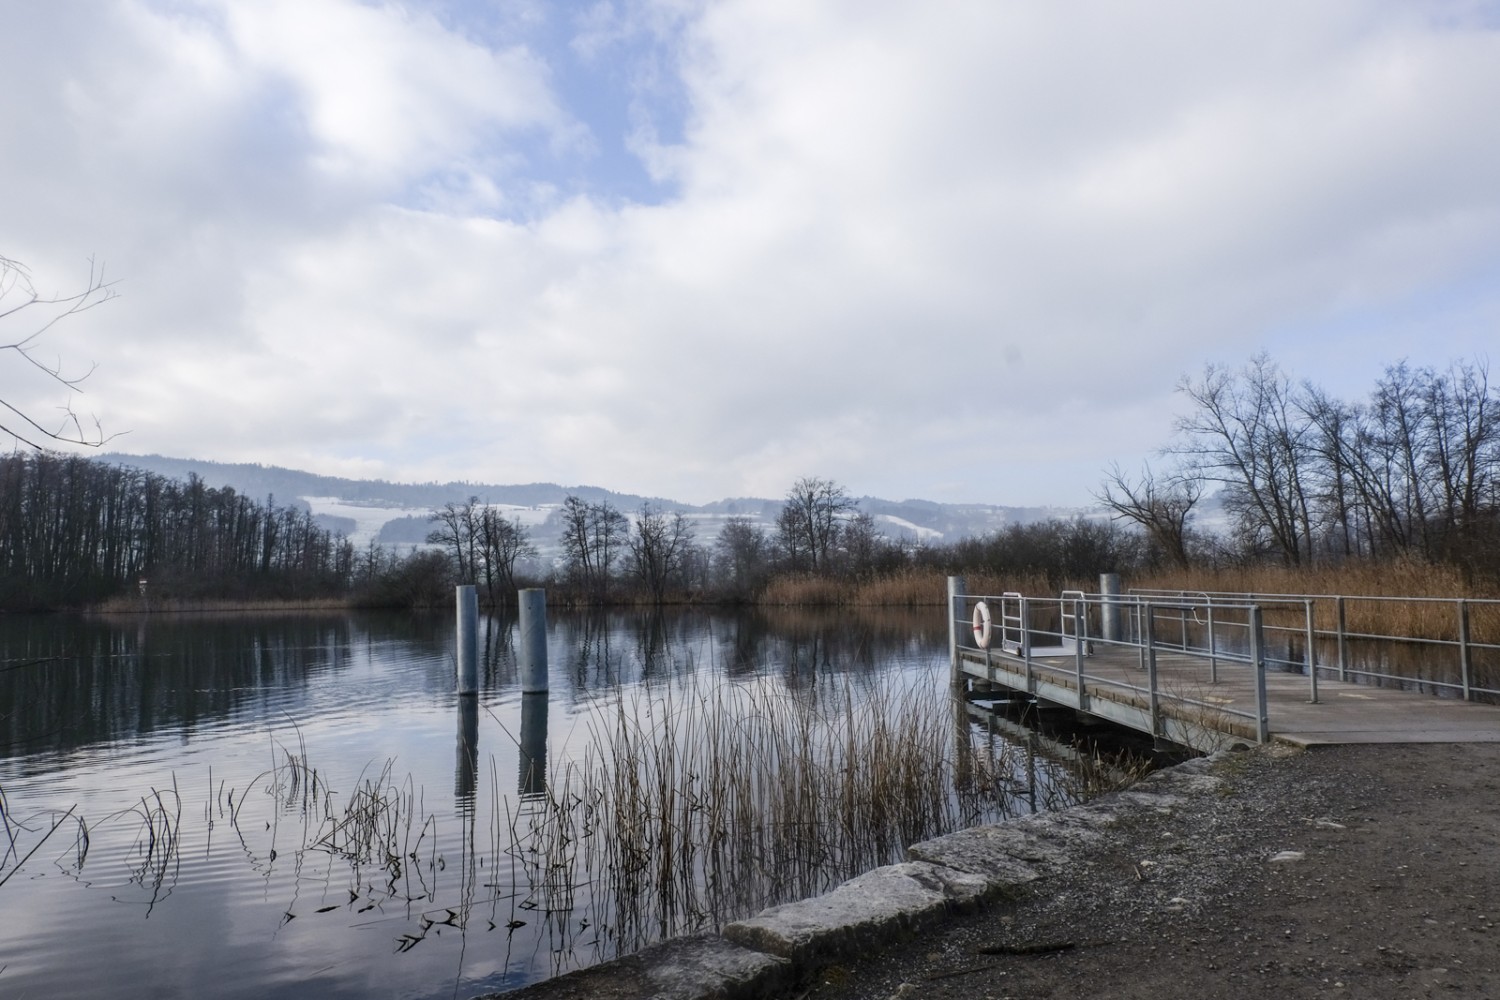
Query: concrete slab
pixel 705 967
pixel 879 906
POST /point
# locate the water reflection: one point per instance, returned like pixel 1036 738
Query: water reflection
pixel 532 766
pixel 466 771
pixel 300 767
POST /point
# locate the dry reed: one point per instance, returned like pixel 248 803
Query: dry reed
pixel 691 810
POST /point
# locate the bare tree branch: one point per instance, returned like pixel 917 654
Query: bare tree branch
pixel 20 302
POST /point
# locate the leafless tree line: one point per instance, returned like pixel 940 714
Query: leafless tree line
pixel 1410 472
pixel 486 546
pixel 74 530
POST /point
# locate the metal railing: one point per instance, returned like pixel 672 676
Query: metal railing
pixel 1075 623
pixel 1320 623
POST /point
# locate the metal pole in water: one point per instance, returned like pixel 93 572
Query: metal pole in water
pixel 1109 590
pixel 533 604
pixel 468 639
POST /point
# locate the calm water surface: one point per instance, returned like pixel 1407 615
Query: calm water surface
pixel 210 762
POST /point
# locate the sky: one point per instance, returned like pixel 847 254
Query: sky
pixel 960 250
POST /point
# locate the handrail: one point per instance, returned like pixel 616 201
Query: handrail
pixel 1309 635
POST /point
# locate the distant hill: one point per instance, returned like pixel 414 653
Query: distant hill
pixel 396 512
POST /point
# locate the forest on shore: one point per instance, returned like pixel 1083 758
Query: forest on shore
pixel 1397 490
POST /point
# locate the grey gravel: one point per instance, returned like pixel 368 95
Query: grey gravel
pixel 1359 871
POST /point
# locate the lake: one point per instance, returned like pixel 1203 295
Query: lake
pixel 298 805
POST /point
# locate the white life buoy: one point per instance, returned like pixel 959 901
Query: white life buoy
pixel 982 625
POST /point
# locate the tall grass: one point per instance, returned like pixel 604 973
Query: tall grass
pixel 688 811
pixel 1415 619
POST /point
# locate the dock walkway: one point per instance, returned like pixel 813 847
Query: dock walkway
pixel 1203 689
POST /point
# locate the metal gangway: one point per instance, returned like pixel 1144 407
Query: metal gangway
pixel 1206 669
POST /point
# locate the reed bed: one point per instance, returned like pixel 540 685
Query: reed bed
pixel 1416 619
pixel 690 810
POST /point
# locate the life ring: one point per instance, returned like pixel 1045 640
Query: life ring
pixel 982 625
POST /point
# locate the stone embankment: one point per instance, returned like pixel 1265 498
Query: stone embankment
pixel 1077 880
pixel 1361 871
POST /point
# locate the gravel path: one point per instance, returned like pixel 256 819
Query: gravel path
pixel 1359 871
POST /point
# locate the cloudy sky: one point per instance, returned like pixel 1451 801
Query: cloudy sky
pixel 959 249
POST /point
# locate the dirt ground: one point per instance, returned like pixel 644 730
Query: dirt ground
pixel 1359 871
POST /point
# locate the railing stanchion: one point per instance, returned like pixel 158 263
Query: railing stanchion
pixel 1258 665
pixel 1213 645
pixel 1312 654
pixel 1463 646
pixel 1155 702
pixel 1343 642
pixel 1026 643
pixel 1080 636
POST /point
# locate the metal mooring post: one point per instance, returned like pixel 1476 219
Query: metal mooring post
pixel 956 588
pixel 467 598
pixel 533 604
pixel 1109 593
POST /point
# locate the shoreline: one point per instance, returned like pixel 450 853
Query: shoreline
pixel 1365 871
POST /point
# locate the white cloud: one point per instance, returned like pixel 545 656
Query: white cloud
pixel 952 250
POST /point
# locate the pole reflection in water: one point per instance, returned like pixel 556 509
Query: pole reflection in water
pixel 466 771
pixel 533 766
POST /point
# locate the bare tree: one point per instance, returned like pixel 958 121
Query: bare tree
pixel 742 556
pixel 592 535
pixel 809 523
pixel 861 543
pixel 458 531
pixel 1162 507
pixel 659 546
pixel 1249 433
pixel 502 543
pixel 23 307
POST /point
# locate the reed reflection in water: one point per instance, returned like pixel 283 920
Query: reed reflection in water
pixel 300 806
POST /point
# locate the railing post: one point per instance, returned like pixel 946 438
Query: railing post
pixel 1463 646
pixel 1343 642
pixel 1213 644
pixel 1258 665
pixel 956 588
pixel 1182 614
pixel 1151 670
pixel 1026 643
pixel 1139 630
pixel 1080 636
pixel 1312 656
